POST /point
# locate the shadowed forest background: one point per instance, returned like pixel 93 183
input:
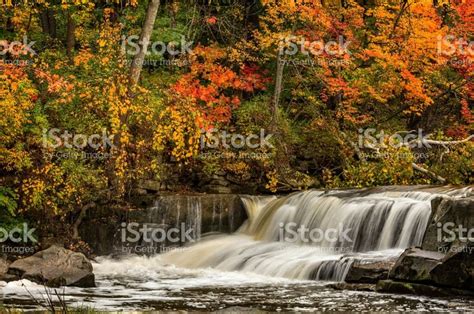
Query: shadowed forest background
pixel 408 68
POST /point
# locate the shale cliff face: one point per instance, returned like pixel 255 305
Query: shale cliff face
pixel 186 216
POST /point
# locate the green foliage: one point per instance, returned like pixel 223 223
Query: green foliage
pixel 392 80
pixel 9 218
pixel 8 201
pixel 392 166
pixel 455 164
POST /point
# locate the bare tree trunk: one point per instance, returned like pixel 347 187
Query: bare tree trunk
pixel 44 21
pixel 70 39
pixel 134 76
pixel 147 29
pixel 278 85
pixel 52 24
pixel 172 9
pixel 281 158
pixel 48 22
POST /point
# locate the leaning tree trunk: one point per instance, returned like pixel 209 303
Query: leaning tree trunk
pixel 147 29
pixel 134 76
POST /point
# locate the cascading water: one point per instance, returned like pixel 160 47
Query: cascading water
pixel 247 269
pixel 316 234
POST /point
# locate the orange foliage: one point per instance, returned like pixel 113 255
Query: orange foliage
pixel 213 86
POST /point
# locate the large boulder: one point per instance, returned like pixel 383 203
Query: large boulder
pixel 55 267
pixel 448 213
pixel 415 265
pixel 456 269
pixel 368 272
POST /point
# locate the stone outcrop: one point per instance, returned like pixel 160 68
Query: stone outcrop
pixel 415 265
pixel 456 269
pixel 203 213
pixel 54 267
pixel 151 186
pixel 432 273
pixel 445 264
pixel 219 182
pixel 448 213
pixel 368 272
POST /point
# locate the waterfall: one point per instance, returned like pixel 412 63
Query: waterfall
pixel 318 234
pixel 253 205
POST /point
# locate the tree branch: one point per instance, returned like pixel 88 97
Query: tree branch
pixel 431 174
pixel 77 223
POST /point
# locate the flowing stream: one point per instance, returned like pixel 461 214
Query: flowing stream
pixel 335 229
pixel 281 258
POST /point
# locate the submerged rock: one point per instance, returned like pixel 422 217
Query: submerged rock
pixel 390 286
pixel 55 267
pixel 352 286
pixel 415 265
pixel 368 272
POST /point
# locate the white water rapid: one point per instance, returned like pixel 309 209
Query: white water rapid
pixel 317 234
pixel 259 267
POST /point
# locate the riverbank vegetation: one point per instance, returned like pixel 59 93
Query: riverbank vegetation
pixel 323 81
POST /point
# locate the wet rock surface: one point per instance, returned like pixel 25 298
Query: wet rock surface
pixel 449 213
pixel 55 267
pixel 456 269
pixel 443 267
pixel 196 214
pixel 352 286
pixel 415 265
pixel 368 272
pixel 390 286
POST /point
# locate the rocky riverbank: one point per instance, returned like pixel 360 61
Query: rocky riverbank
pixel 443 266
